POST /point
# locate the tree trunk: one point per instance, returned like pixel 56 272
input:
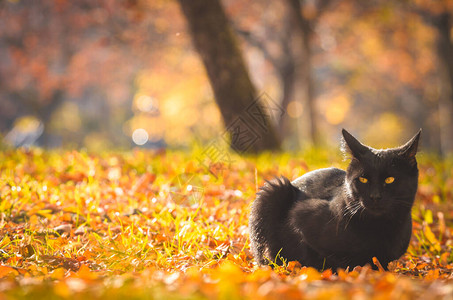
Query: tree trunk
pixel 444 47
pixel 284 65
pixel 309 86
pixel 444 25
pixel 45 114
pixel 247 121
pixel 307 79
pixel 288 80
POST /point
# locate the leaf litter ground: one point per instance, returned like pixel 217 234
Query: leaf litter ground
pixel 173 225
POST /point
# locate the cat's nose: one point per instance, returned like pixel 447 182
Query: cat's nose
pixel 375 196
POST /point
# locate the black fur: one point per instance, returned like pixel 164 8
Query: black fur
pixel 328 218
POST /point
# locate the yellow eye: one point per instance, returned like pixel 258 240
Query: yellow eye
pixel 389 180
pixel 363 180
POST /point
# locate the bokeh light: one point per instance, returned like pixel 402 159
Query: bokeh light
pixel 140 136
pixel 145 103
pixel 367 62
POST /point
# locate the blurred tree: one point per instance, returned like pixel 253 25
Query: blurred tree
pixel 381 68
pixel 276 45
pixel 306 15
pixel 289 49
pixel 439 15
pixel 53 51
pixel 377 64
pixel 244 116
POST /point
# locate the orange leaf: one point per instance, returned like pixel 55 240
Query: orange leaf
pixel 441 222
pixel 309 274
pixel 444 259
pixel 190 167
pixel 85 273
pixel 62 289
pixel 342 274
pixel 143 182
pixel 5 271
pixel 411 265
pixel 58 274
pixel 432 274
pixel 326 274
pixel 262 274
pixel 378 264
pixel 422 266
pixel 294 266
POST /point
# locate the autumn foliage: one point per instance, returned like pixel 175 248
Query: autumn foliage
pixel 161 225
pixel 382 63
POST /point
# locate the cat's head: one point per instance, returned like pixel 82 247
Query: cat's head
pixel 381 180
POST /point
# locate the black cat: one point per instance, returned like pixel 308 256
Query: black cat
pixel 330 218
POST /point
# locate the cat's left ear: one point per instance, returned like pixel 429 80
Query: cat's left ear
pixel 409 150
pixel 351 145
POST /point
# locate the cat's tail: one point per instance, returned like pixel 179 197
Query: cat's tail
pixel 267 217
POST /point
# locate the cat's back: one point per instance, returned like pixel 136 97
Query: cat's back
pixel 321 184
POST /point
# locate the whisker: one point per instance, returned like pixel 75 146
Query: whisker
pixel 350 210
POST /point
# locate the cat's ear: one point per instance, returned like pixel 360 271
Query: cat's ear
pixel 351 145
pixel 409 150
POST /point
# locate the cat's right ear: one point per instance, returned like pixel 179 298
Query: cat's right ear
pixel 409 150
pixel 351 145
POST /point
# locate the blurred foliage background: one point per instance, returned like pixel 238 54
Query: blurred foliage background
pixel 115 74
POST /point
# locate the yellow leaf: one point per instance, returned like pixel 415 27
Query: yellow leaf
pixel 428 216
pixel 229 271
pixel 230 276
pixel 431 238
pixel 436 199
pixel 45 213
pixel 262 274
pixel 5 241
pixel 34 220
